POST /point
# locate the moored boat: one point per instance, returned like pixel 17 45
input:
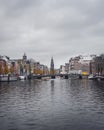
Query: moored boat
pixel 21 77
pixel 96 77
pixel 100 77
pixel 92 77
pixel 8 78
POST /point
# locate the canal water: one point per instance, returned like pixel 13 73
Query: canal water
pixel 58 104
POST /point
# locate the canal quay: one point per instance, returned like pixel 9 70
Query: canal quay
pixel 53 104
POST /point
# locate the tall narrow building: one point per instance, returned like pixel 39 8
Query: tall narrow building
pixel 24 58
pixel 52 66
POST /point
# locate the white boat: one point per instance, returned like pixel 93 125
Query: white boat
pixel 92 77
pixel 21 77
pixel 99 77
pixel 8 78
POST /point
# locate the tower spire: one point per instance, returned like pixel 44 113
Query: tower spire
pixel 24 57
pixel 52 66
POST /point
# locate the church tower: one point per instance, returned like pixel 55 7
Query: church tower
pixel 52 66
pixel 24 58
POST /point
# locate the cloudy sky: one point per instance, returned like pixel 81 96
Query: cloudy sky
pixel 46 28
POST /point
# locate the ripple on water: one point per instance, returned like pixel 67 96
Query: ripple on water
pixel 54 104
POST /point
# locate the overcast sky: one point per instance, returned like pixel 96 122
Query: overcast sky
pixel 46 28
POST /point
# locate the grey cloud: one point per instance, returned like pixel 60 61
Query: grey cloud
pixel 51 28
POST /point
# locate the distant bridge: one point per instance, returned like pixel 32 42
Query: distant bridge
pixel 53 76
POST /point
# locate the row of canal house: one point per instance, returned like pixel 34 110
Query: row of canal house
pixel 97 65
pixel 21 66
pixel 3 65
pixel 85 65
pixel 81 64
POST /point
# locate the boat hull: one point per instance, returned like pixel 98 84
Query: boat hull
pixel 8 78
pixel 96 77
pixel 22 77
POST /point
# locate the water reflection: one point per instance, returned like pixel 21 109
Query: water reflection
pixel 59 104
pixel 52 87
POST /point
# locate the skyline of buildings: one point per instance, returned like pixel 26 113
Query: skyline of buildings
pixel 84 64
